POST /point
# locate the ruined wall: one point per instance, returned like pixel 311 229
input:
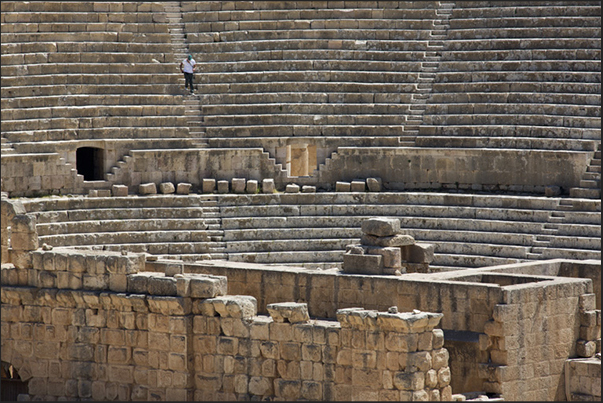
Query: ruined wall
pixel 87 324
pixel 584 380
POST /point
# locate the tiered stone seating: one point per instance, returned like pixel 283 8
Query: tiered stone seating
pixel 75 71
pixel 275 70
pixel 183 227
pixel 313 230
pixel 467 230
pixel 518 75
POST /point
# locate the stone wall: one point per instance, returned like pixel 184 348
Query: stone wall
pixel 584 377
pixel 95 325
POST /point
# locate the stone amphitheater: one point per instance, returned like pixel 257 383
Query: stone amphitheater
pixel 363 200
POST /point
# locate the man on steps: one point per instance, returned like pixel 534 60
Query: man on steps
pixel 188 66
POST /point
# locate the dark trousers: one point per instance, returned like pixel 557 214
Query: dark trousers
pixel 188 80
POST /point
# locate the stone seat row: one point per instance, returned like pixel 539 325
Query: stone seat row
pixel 519 119
pixel 520 65
pixel 295 108
pixel 96 68
pixel 80 100
pixel 153 136
pixel 375 89
pixel 234 31
pixel 190 6
pixel 136 23
pixel 334 76
pixel 85 57
pixel 170 250
pixel 305 65
pixel 307 119
pixel 583 18
pixel 46 19
pixel 439 99
pixel 85 7
pixel 316 14
pixel 71 47
pixel 517 10
pixel 545 79
pixel 454 89
pixel 94 122
pixel 92 89
pixel 543 31
pixel 310 44
pixel 92 110
pixel 472 44
pixel 290 97
pixel 359 51
pixel 72 226
pixel 74 37
pixel 450 59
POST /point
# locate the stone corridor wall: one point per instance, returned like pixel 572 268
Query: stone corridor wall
pixel 87 324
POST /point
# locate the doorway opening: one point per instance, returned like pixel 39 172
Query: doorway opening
pixel 90 163
pixel 12 385
pixel 301 159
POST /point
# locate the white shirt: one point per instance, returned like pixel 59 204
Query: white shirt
pixel 187 65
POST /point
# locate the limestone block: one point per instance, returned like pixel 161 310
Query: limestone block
pixel 119 190
pixel 437 340
pixel 381 226
pixel 341 186
pixel 362 264
pixel 223 187
pixel 374 184
pixel 444 377
pixel 183 188
pixel 103 192
pixel 21 259
pixel 586 348
pixel 587 302
pixel 357 186
pixel 209 185
pixel 252 186
pixel 171 269
pixel 161 285
pixel 396 240
pixel 268 185
pixel 168 305
pixel 206 286
pixel 166 188
pixel 292 188
pixel 22 241
pixel 238 185
pixel 23 223
pixel 288 312
pixel 147 189
pixel 118 282
pixel 392 257
pixel 235 306
pixel 418 253
pixel 308 189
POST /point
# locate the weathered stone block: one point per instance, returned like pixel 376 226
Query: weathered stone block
pixel 209 185
pixel 235 306
pixel 252 186
pixel 184 188
pixel 381 226
pixel 268 185
pixel 586 348
pixel 166 188
pixel 288 312
pixel 147 188
pixel 119 190
pixel 418 253
pixel 395 240
pixel 223 187
pixel 207 286
pixel 362 264
pixel 292 188
pixel 308 189
pixel 374 184
pixel 392 257
pixel 171 269
pixel 162 286
pixel 357 186
pixel 341 186
pixel 238 185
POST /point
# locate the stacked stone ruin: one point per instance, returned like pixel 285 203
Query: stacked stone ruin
pixel 381 248
pixel 340 161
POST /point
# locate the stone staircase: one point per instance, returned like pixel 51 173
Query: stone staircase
pixel 427 75
pixel 590 184
pixel 181 50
